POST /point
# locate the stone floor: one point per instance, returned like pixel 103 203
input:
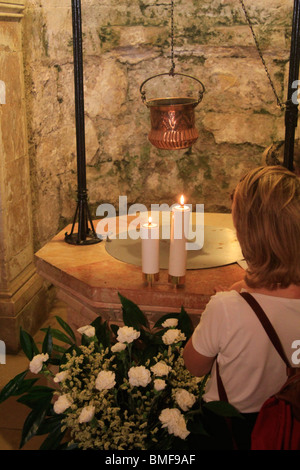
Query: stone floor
pixel 13 414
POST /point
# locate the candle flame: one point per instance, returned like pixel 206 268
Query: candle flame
pixel 182 200
pixel 150 220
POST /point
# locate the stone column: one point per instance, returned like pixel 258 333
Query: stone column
pixel 22 295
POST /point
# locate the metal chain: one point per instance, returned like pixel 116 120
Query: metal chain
pixel 279 103
pixel 172 39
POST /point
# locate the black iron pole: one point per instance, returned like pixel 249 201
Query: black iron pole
pixel 85 235
pixel 291 113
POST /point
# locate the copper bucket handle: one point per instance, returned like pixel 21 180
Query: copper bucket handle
pixel 171 73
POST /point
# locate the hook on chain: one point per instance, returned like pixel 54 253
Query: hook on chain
pixel 172 72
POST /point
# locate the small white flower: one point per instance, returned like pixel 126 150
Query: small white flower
pixel 170 322
pixel 60 376
pixel 139 376
pixel 184 399
pixel 127 334
pixel 160 369
pixel 62 404
pixel 87 330
pixel 87 414
pixel 159 384
pixel 173 336
pixel 105 380
pixel 173 419
pixel 36 364
pixel 118 347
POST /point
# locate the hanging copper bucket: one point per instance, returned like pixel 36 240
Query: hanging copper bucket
pixel 172 119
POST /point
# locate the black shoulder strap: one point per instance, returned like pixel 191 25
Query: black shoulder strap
pixel 221 389
pixel 266 324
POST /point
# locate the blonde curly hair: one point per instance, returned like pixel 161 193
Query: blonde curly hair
pixel 266 215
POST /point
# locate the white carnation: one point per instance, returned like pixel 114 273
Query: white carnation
pixel 159 384
pixel 62 404
pixel 161 369
pixel 184 399
pixel 127 334
pixel 87 330
pixel 173 336
pixel 139 376
pixel 170 322
pixel 105 380
pixel 87 414
pixel 118 347
pixel 36 364
pixel 173 419
pixel 60 376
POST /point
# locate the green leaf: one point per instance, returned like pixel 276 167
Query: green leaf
pixel 52 427
pixel 67 328
pixel 47 343
pixel 222 408
pixel 36 395
pixel 87 340
pixel 132 315
pixel 59 349
pixel 202 384
pixel 149 339
pixel 97 322
pixel 34 420
pixel 26 385
pixel 184 322
pixel 148 353
pixel 114 329
pixel 55 361
pixel 49 425
pixel 59 335
pixel 12 387
pixel 69 446
pixel 102 332
pixel 41 389
pixel 53 440
pixel 27 344
pixel 196 426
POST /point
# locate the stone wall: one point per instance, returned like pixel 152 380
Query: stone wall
pixel 23 299
pixel 125 42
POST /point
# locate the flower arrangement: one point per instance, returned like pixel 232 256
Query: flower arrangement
pixel 122 388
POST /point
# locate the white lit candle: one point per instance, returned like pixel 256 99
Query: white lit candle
pixel 179 230
pixel 150 250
